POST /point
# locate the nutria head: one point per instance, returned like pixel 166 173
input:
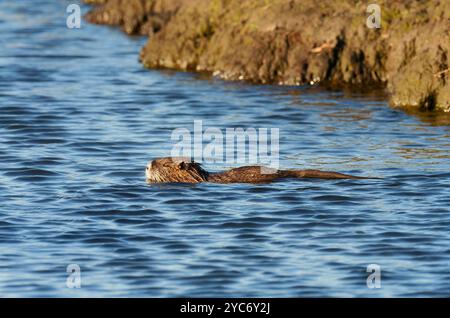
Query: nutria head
pixel 175 169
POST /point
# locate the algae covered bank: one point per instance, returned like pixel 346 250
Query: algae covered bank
pixel 298 42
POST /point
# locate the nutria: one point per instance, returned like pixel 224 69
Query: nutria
pixel 179 169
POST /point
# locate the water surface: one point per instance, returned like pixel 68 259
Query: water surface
pixel 80 118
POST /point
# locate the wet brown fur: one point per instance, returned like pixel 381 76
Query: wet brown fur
pixel 178 169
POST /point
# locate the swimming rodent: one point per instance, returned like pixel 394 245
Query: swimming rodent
pixel 185 170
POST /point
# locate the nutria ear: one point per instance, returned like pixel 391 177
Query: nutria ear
pixel 183 165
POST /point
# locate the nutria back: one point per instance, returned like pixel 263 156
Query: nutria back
pixel 248 174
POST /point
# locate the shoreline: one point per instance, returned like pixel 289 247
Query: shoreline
pixel 297 43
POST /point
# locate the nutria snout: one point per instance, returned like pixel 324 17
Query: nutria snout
pixel 179 169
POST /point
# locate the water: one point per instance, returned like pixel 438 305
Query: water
pixel 80 118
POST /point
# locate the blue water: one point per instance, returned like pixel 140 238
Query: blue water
pixel 80 118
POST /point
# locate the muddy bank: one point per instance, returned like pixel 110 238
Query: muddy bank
pixel 295 42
